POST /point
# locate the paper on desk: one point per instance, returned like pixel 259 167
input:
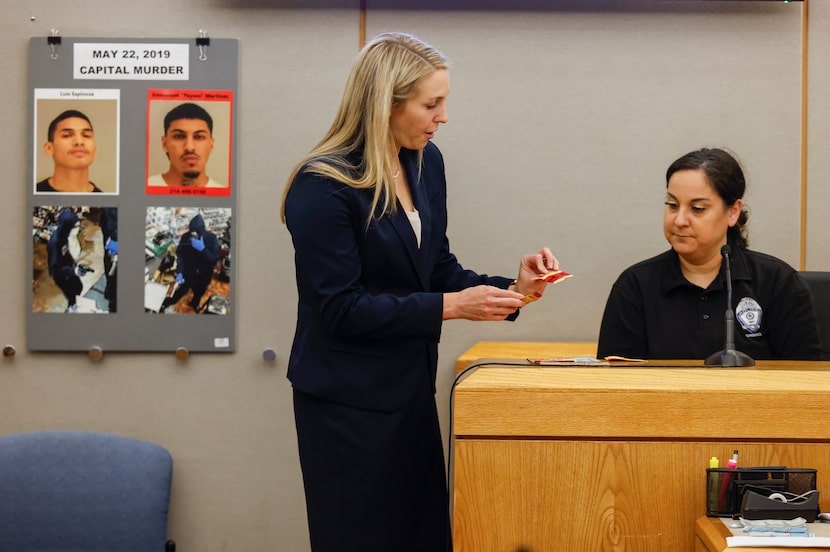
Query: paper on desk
pixel 779 542
pixel 820 540
pixel 568 361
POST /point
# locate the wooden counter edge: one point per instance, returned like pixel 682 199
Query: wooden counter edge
pixel 523 350
pixel 711 532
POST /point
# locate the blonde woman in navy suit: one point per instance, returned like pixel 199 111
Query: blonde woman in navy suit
pixel 375 278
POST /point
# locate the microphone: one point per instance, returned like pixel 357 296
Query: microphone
pixel 729 356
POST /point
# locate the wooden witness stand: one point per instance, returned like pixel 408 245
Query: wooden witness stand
pixel 613 458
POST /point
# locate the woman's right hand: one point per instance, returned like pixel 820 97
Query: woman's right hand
pixel 481 303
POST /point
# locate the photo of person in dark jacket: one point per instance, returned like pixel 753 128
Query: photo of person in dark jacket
pixel 109 232
pixel 196 256
pixel 62 264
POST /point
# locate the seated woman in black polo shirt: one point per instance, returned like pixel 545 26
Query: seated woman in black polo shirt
pixel 672 306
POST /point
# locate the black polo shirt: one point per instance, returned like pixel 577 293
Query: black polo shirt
pixel 653 312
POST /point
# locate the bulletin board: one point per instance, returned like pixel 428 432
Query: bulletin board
pixel 132 194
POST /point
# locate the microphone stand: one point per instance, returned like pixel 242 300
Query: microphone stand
pixel 729 356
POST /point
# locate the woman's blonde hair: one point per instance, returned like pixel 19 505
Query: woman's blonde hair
pixel 384 76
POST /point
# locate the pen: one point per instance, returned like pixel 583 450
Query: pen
pixel 732 463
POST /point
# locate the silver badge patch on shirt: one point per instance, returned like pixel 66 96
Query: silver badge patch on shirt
pixel 749 315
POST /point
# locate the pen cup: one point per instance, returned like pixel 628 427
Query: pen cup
pixel 721 499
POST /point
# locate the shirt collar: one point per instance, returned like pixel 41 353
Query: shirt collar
pixel 673 277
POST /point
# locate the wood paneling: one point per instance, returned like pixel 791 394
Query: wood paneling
pixel 614 458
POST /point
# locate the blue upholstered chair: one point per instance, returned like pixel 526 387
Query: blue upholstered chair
pixel 819 284
pixel 74 491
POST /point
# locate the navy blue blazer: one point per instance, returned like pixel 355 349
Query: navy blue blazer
pixel 370 301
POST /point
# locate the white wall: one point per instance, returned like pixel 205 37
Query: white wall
pixel 563 120
pixel 818 129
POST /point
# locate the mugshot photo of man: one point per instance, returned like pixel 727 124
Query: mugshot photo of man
pixel 71 145
pixel 75 147
pixel 188 143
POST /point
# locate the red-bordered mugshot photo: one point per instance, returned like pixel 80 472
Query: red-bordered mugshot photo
pixel 189 142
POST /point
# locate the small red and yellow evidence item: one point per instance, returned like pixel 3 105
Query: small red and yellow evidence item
pixel 554 276
pixel 551 277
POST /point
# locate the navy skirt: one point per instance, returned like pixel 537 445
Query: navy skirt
pixel 374 481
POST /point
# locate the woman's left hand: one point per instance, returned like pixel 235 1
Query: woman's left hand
pixel 532 266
